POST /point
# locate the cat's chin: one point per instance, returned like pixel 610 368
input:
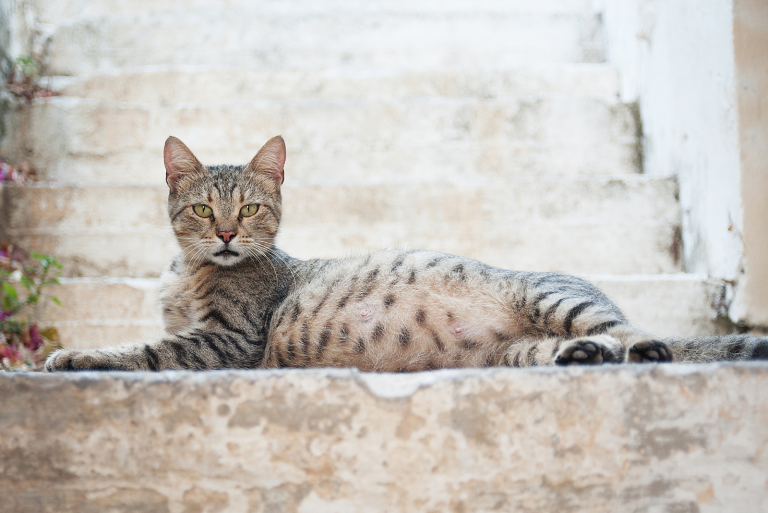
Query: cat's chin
pixel 227 257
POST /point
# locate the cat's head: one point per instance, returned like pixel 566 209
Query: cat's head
pixel 224 214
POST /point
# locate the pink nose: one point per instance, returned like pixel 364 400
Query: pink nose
pixel 225 236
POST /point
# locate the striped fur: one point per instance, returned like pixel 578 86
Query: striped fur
pixel 242 303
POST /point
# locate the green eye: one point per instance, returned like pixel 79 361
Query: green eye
pixel 203 210
pixel 249 210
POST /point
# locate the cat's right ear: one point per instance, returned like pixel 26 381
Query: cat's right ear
pixel 270 160
pixel 179 161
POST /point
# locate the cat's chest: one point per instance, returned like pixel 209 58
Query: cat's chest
pixel 187 296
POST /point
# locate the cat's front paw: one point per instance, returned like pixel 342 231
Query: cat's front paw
pixel 649 351
pixel 587 351
pixel 74 360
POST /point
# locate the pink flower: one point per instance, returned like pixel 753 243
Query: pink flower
pixel 35 342
pixel 6 170
pixel 10 352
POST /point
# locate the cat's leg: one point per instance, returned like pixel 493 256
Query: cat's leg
pixel 641 347
pixel 585 324
pixel 532 351
pixel 195 349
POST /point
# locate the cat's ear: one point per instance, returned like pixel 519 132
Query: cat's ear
pixel 179 161
pixel 270 160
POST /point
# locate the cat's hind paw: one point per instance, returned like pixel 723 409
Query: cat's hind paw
pixel 649 351
pixel 586 351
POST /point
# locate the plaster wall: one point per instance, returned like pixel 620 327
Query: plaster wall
pixel 678 60
pixel 750 22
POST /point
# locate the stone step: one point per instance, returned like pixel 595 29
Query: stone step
pixel 100 312
pixel 629 438
pixel 620 225
pixel 75 139
pixel 410 38
pixel 51 13
pixel 189 84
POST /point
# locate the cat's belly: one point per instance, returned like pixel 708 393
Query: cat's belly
pixel 403 327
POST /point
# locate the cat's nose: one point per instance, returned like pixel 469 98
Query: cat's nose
pixel 226 236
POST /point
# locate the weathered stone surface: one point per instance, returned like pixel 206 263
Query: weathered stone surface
pixel 103 312
pixel 633 438
pixel 622 225
pixel 185 84
pixel 93 231
pixel 65 10
pixel 667 305
pixel 320 39
pixel 349 139
pixel 606 225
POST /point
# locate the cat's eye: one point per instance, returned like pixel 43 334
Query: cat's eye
pixel 203 210
pixel 249 210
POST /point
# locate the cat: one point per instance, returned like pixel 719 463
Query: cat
pixel 231 299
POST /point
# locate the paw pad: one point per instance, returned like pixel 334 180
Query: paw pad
pixel 649 351
pixel 580 352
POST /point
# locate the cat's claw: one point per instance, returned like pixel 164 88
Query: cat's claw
pixel 649 351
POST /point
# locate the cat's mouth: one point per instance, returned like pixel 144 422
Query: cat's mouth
pixel 226 253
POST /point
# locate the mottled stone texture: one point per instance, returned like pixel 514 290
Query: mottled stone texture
pixel 678 438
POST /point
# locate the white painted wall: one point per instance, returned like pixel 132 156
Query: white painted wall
pixel 676 58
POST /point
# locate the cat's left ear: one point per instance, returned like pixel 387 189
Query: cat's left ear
pixel 270 160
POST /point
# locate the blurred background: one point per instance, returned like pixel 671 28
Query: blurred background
pixel 622 140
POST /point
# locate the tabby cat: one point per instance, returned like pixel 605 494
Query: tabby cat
pixel 231 299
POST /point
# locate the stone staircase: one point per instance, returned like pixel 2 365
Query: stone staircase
pixel 491 130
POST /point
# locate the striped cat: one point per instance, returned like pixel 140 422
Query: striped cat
pixel 233 300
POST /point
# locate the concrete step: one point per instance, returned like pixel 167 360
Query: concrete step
pixel 74 139
pixel 189 84
pixel 607 225
pixel 629 438
pixel 359 38
pixel 100 312
pixel 51 13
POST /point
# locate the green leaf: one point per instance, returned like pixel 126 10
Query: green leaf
pixel 10 291
pixel 46 260
pixel 25 60
pixel 55 300
pixel 27 282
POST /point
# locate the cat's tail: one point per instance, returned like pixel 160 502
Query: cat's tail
pixel 723 348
